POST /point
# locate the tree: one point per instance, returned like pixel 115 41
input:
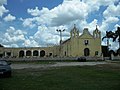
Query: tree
pixel 117 36
pixel 1 45
pixel 114 36
pixel 108 35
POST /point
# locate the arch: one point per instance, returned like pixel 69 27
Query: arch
pixel 28 53
pixel 21 53
pixel 86 52
pixel 35 53
pixel 42 53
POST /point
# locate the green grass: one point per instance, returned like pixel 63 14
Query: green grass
pixel 64 78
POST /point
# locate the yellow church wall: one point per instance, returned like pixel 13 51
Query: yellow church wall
pixel 15 51
pixel 93 46
pixel 77 44
pixel 74 47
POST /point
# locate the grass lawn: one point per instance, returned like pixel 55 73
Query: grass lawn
pixel 100 77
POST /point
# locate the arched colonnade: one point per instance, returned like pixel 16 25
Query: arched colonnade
pixel 32 53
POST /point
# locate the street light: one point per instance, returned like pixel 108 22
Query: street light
pixel 60 31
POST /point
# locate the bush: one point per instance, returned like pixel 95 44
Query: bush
pixel 81 59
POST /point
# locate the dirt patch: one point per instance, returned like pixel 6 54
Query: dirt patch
pixel 57 64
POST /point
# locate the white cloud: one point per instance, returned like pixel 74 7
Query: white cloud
pixel 49 36
pixel 95 4
pixel 3 2
pixel 113 45
pixel 11 45
pixel 59 15
pixel 112 11
pixel 30 43
pixel 29 22
pixel 46 35
pixel 91 26
pixel 17 38
pixel 68 12
pixel 3 10
pixel 112 20
pixel 13 36
pixel 67 1
pixel 34 12
pixel 9 17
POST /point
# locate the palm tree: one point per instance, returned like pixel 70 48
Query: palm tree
pixel 108 35
pixel 1 45
pixel 117 36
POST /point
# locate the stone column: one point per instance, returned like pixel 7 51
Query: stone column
pixel 31 53
pixel 112 56
pixel 39 53
pixel 5 53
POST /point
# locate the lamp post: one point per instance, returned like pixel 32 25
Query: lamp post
pixel 60 31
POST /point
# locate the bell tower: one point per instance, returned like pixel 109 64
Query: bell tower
pixel 96 33
pixel 74 32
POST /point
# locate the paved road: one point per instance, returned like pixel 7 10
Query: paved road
pixel 57 64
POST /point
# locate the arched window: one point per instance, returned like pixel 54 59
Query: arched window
pixel 21 53
pixel 42 53
pixel 28 53
pixel 35 53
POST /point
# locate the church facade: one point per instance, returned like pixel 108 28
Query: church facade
pixel 86 44
pixel 82 45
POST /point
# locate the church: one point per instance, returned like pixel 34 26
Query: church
pixel 86 44
pixel 82 45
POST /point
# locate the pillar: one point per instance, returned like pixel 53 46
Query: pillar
pixel 38 53
pixel 24 53
pixel 31 53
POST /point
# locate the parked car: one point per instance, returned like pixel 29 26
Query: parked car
pixel 5 69
pixel 81 59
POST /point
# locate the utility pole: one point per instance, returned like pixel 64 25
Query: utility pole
pixel 60 31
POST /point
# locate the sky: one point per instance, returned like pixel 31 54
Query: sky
pixel 33 23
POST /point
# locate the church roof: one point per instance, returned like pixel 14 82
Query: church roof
pixel 66 41
pixel 86 34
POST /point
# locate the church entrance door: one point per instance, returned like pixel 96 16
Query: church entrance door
pixel 86 52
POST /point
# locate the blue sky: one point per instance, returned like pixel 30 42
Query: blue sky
pixel 33 23
pixel 19 7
